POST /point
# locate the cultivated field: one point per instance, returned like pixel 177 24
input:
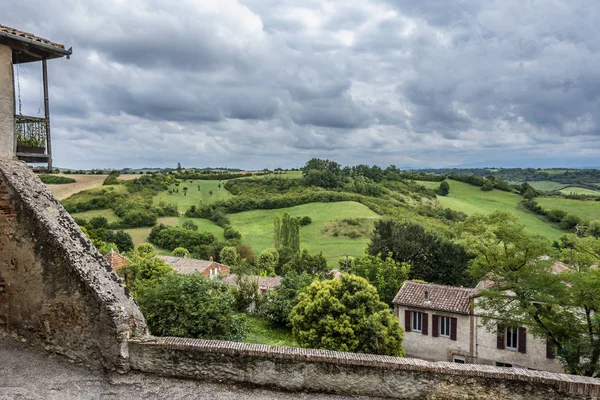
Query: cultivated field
pixel 256 228
pixel 472 200
pixel 547 186
pixel 87 215
pixel 82 182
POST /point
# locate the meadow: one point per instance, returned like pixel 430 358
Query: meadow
pixel 547 186
pixel 472 200
pixel 580 190
pixel 256 228
pixel 584 209
pixel 194 196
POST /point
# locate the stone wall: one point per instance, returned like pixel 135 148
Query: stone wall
pixel 58 290
pixel 7 103
pixel 350 374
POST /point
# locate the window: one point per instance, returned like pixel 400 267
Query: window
pixel 501 364
pixel 512 338
pixel 445 326
pixel 458 359
pixel 417 321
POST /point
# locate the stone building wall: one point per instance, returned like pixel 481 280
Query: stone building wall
pixel 7 103
pixel 348 373
pixel 57 289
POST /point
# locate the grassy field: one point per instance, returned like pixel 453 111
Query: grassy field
pixel 587 210
pixel 108 214
pixel 579 190
pixel 547 186
pixel 205 225
pixel 194 196
pixel 472 200
pixel 284 174
pixel 256 228
pixel 261 332
pixel 140 235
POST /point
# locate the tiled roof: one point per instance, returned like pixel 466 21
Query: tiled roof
pixel 435 297
pixel 30 36
pixel 189 265
pixel 264 282
pixel 115 260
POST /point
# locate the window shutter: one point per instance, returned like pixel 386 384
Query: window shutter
pixel 522 340
pixel 407 321
pixel 435 325
pixel 453 323
pixel 500 337
pixel 550 348
pixel 425 330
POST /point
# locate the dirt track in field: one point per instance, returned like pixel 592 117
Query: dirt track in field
pixel 83 182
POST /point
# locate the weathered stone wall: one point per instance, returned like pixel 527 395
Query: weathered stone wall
pixel 58 290
pixel 7 103
pixel 350 374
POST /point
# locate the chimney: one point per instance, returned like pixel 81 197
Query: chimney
pixel 427 297
pixel 210 259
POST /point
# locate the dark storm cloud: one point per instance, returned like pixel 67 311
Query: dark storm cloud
pixel 254 82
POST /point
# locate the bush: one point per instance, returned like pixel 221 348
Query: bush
pixel 232 234
pixel 111 179
pixel 191 306
pixel 55 179
pixel 444 189
pixel 172 237
pixel 306 220
pixel 190 225
pixel 569 222
pixel 180 252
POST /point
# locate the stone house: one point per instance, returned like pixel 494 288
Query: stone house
pixel 208 268
pixel 443 323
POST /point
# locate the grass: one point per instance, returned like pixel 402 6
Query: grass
pixel 579 190
pixel 472 200
pixel 256 228
pixel 140 235
pixel 261 332
pixel 547 186
pixel 107 213
pixel 284 174
pixel 194 196
pixel 205 225
pixel 584 209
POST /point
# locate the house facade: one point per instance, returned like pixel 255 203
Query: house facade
pixel 444 323
pixel 207 268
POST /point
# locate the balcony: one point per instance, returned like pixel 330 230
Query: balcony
pixel 31 136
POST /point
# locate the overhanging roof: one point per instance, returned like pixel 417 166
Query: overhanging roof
pixel 27 47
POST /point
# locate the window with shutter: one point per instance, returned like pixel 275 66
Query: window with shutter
pixel 453 326
pixel 512 337
pixel 417 321
pixel 445 326
pixel 522 345
pixel 425 330
pixel 435 325
pixel 407 321
pixel 500 337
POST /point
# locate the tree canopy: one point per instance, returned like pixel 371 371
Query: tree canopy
pixel 346 314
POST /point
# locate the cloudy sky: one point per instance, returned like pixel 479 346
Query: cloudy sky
pixel 273 83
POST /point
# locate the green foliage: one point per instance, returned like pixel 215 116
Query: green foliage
pixel 346 315
pixel 55 179
pixel 279 302
pixel 432 257
pixel 323 173
pixel 231 234
pixel 444 189
pixel 112 178
pixel 557 307
pixel 189 225
pixel 171 237
pixel 287 233
pixel 247 298
pixel 303 262
pixel 487 185
pixel 386 274
pixel 180 252
pixel 98 222
pixel 145 269
pixel 229 256
pixel 305 221
pixel 191 306
pixel 122 239
pixel 267 261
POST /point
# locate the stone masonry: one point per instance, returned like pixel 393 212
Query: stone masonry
pixel 7 104
pixel 57 289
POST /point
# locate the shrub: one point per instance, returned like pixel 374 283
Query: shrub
pixel 232 234
pixel 55 179
pixel 306 220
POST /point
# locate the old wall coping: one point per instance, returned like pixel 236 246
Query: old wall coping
pixel 572 384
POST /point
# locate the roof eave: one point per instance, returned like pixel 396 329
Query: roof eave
pixel 433 309
pixel 52 51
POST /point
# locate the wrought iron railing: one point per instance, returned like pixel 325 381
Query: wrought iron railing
pixel 31 134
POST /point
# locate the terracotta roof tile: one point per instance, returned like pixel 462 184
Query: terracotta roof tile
pixel 30 36
pixel 190 265
pixel 115 260
pixel 435 297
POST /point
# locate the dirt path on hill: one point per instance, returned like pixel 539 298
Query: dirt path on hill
pixel 83 182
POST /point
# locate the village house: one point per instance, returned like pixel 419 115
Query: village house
pixel 208 268
pixel 443 323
